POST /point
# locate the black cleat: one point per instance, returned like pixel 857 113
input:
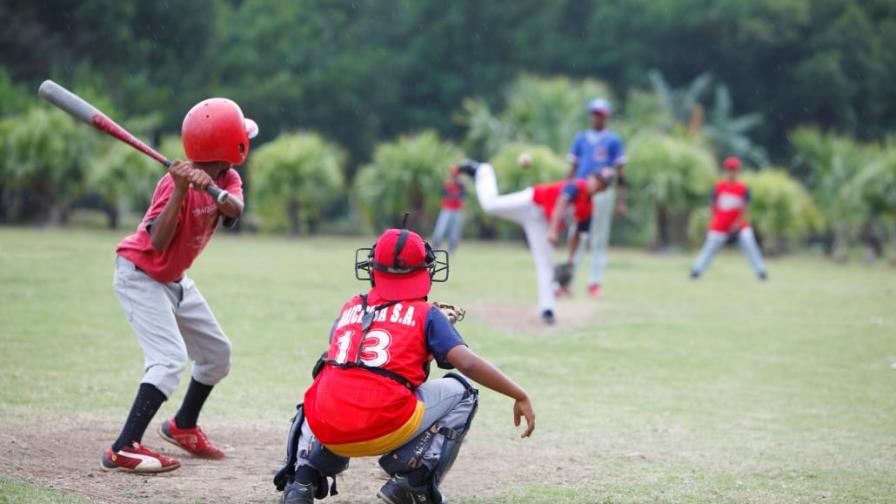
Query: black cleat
pixel 763 276
pixel 399 491
pixel 694 275
pixel 298 493
pixel 548 317
pixel 469 167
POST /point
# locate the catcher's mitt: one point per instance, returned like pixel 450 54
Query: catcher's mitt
pixel 454 313
pixel 563 274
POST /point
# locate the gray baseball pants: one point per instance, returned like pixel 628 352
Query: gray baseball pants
pixel 173 323
pixel 715 240
pixel 598 239
pixel 449 224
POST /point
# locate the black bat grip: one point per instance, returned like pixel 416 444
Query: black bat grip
pixel 219 194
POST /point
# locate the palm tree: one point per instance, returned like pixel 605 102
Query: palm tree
pixel 728 133
pixel 405 175
pixel 295 178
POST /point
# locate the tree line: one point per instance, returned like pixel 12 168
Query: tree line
pixel 802 85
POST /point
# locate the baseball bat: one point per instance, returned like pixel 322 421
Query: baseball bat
pixel 78 108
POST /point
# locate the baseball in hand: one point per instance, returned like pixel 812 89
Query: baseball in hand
pixel 524 160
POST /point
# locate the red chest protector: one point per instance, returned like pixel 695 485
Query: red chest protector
pixel 386 339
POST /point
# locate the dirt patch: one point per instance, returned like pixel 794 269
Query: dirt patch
pixel 524 318
pixel 66 458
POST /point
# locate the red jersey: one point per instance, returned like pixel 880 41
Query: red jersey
pixel 452 195
pixel 545 196
pixel 196 223
pixel 354 411
pixel 729 199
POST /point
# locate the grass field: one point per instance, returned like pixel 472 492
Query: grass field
pixel 669 390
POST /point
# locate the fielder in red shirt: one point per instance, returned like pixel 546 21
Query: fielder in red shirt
pixel 370 394
pixel 730 200
pixel 450 221
pixel 172 321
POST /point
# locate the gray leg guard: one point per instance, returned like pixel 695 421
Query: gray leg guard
pixel 323 464
pixel 437 447
pixel 286 473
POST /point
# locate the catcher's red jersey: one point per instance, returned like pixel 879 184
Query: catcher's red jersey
pixel 354 411
pixel 729 199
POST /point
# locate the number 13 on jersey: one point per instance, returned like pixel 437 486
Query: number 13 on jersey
pixel 374 349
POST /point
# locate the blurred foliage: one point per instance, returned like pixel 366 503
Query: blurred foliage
pixel 833 162
pixel 45 155
pixel 700 80
pixel 121 177
pixel 673 175
pixel 780 209
pixel 537 110
pixel 295 178
pixel 405 176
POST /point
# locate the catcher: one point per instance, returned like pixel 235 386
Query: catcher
pixel 370 395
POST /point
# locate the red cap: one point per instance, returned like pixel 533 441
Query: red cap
pixel 400 266
pixel 731 163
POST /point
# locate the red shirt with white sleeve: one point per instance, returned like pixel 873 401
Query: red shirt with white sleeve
pixel 196 223
pixel 729 200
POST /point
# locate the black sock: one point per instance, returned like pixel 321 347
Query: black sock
pixel 148 401
pixel 188 414
pixel 418 477
pixel 307 474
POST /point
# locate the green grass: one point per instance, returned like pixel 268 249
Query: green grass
pixel 720 390
pixel 18 493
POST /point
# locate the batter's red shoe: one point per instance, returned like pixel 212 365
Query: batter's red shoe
pixel 192 440
pixel 594 291
pixel 138 459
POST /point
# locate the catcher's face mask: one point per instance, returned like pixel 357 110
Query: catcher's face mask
pixel 401 265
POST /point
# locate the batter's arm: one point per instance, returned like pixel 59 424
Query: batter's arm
pixel 231 208
pixel 486 374
pixel 162 228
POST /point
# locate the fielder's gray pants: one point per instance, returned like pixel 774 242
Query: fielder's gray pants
pixel 173 323
pixel 715 240
pixel 598 239
pixel 445 403
pixel 449 224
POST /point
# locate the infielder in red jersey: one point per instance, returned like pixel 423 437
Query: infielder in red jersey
pixel 164 307
pixel 540 210
pixel 370 394
pixel 730 199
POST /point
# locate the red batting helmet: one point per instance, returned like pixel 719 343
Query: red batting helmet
pixel 215 130
pixel 401 265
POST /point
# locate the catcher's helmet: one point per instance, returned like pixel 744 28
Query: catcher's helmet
pixel 401 265
pixel 215 130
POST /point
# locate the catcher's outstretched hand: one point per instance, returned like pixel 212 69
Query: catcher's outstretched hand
pixel 522 408
pixel 453 312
